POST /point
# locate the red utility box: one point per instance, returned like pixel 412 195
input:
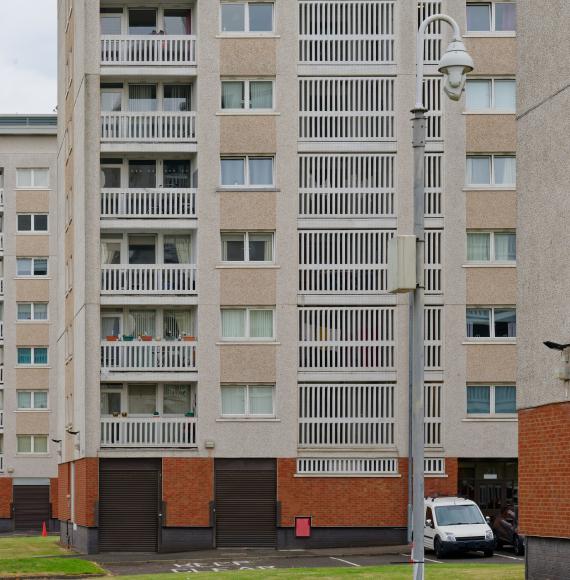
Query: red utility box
pixel 302 526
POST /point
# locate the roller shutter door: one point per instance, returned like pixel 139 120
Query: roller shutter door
pixel 31 507
pixel 129 495
pixel 246 495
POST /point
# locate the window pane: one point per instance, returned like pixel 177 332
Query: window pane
pixel 142 399
pixel 505 322
pixel 261 400
pixel 110 403
pixel 110 101
pixel 233 95
pixel 478 322
pixel 505 16
pixel 110 252
pixel 505 399
pixel 24 444
pixel 40 223
pixel 177 249
pixel 478 247
pixel 506 247
pixel 24 177
pixel 260 247
pixel 178 323
pixel 233 17
pixel 40 356
pixel 233 172
pixel 24 222
pixel 142 323
pixel 261 95
pixel 177 399
pixel 24 356
pixel 40 400
pixel 40 444
pixel 478 17
pixel 478 170
pixel 261 171
pixel 233 323
pixel 142 21
pixel 24 311
pixel 478 400
pixel 40 267
pixel 24 400
pixel 177 98
pixel 41 177
pixel 233 247
pixel 505 95
pixel 142 98
pixel 478 95
pixel 178 22
pixel 24 267
pixel 142 174
pixel 142 250
pixel 110 24
pixel 176 174
pixel 233 400
pixel 40 311
pixel 505 170
pixel 261 323
pixel 261 17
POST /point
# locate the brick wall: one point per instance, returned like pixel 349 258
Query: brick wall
pixel 342 501
pixel 86 490
pixel 187 489
pixel 544 471
pixel 63 505
pixel 53 497
pixel 5 497
pixel 441 486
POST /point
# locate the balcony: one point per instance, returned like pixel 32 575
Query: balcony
pixel 165 279
pixel 148 127
pixel 2 419
pixel 146 50
pixel 148 432
pixel 1 286
pixel 1 198
pixel 1 374
pixel 141 356
pixel 148 203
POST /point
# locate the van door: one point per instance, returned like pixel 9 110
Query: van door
pixel 429 531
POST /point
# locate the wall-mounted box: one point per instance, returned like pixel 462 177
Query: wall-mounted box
pixel 402 264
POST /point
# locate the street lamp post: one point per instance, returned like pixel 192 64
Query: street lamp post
pixel 455 64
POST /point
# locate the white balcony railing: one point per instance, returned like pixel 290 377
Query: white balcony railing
pixel 1 330
pixel 148 50
pixel 152 127
pixel 1 197
pixel 148 279
pixel 1 419
pixel 148 356
pixel 148 203
pixel 1 374
pixel 1 286
pixel 148 432
pixel 1 242
pixel 1 463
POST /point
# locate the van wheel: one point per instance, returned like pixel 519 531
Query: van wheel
pixel 488 553
pixel 438 548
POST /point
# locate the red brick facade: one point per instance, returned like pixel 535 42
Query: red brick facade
pixel 64 490
pixel 442 486
pixel 86 490
pixel 187 490
pixel 5 497
pixel 53 497
pixel 544 471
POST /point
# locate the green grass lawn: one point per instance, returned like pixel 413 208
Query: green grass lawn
pixel 404 572
pixel 26 547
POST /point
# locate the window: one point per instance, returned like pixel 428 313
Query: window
pixel 32 443
pixel 32 177
pixel 247 247
pixel 247 171
pixel 33 355
pixel 491 170
pixel 491 323
pixel 491 400
pixel 32 399
pixel 491 94
pixel 247 95
pixel 110 19
pixel 31 267
pixel 142 21
pixel 32 222
pixel 248 401
pixel 494 247
pixel 491 17
pixel 247 323
pixel 254 17
pixel 32 311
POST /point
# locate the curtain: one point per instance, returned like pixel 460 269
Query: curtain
pixel 478 322
pixel 506 247
pixel 24 400
pixel 505 170
pixel 110 326
pixel 478 95
pixel 261 171
pixel 261 323
pixel 142 322
pixel 261 400
pixel 478 170
pixel 40 311
pixel 178 322
pixel 24 311
pixel 505 323
pixel 233 400
pixel 24 443
pixel 24 356
pixel 478 400
pixel 142 98
pixel 177 399
pixel 505 16
pixel 110 252
pixel 40 400
pixel 177 249
pixel 142 399
pixel 177 98
pixel 233 95
pixel 40 444
pixel 110 402
pixel 40 356
pixel 233 323
pixel 261 95
pixel 478 247
pixel 505 399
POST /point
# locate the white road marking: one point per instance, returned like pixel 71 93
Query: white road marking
pixel 425 559
pixel 509 557
pixel 346 562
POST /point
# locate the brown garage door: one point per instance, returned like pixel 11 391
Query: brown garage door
pixel 245 503
pixel 129 495
pixel 31 507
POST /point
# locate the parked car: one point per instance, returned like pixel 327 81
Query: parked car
pixel 505 528
pixel 454 524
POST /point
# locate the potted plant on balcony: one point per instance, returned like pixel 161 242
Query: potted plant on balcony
pixel 188 337
pixel 124 414
pixel 146 337
pixel 156 414
pixel 115 413
pixel 128 337
pixel 189 414
pixel 111 338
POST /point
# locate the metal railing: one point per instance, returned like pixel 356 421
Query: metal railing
pixel 148 50
pixel 148 356
pixel 148 279
pixel 148 432
pixel 151 126
pixel 147 203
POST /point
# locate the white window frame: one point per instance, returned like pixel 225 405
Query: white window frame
pixel 33 179
pixel 492 402
pixel 124 15
pixel 33 229
pixel 32 312
pixel 492 31
pixel 492 109
pixel 246 109
pixel 246 185
pixel 247 337
pixel 248 414
pixel 246 31
pixel 492 184
pixel 33 445
pixel 492 336
pixel 32 275
pixel 33 356
pixel 492 258
pixel 33 399
pixel 246 259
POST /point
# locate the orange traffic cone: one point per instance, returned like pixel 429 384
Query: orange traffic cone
pixel 44 530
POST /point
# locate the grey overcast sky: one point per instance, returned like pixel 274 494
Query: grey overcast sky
pixel 28 56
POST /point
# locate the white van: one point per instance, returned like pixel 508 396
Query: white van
pixel 454 524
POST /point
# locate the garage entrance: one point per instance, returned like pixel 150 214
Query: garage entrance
pixel 31 506
pixel 246 497
pixel 129 500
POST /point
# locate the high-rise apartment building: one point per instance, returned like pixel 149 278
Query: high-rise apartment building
pixel 28 315
pixel 229 357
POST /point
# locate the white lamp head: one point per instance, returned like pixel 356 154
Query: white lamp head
pixel 454 65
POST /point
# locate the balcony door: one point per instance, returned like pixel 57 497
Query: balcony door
pixel 142 249
pixel 142 174
pixel 142 22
